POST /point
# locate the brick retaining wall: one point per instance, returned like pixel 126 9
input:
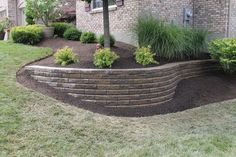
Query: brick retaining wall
pixel 122 87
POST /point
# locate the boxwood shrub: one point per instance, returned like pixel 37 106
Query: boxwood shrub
pixel 224 50
pixel 144 56
pixel 112 40
pixel 65 56
pixel 72 34
pixel 104 58
pixel 31 34
pixel 88 37
pixel 60 28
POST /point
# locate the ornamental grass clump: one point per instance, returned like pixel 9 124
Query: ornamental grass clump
pixel 144 56
pixel 65 56
pixel 224 51
pixel 169 41
pixel 104 58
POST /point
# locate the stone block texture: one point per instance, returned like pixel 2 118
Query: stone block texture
pixel 212 15
pixel 216 16
pixel 126 88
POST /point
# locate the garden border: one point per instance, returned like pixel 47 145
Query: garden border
pixel 122 88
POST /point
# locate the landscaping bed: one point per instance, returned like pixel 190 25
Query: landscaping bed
pixel 86 52
pixel 187 93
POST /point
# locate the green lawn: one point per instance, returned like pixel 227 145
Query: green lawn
pixel 32 124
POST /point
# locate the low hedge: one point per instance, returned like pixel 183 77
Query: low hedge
pixel 72 34
pixel 88 37
pixel 112 40
pixel 60 28
pixel 30 35
pixel 224 50
pixel 104 58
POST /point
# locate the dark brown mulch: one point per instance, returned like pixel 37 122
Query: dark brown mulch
pixel 190 93
pixel 86 51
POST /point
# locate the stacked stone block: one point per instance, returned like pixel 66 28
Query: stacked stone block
pixel 121 87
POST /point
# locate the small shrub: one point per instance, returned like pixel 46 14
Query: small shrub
pixel 112 40
pixel 104 58
pixel 224 50
pixel 72 34
pixel 88 37
pixel 144 56
pixel 60 28
pixel 31 34
pixel 65 56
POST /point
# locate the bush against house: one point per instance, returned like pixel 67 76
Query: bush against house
pixel 72 34
pixel 170 41
pixel 60 28
pixel 224 50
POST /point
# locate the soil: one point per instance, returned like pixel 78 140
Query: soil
pixel 190 93
pixel 86 51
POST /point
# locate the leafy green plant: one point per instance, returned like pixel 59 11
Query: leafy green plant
pixel 31 34
pixel 169 41
pixel 144 56
pixel 224 50
pixel 72 34
pixel 5 24
pixel 29 19
pixel 65 56
pixel 104 58
pixel 60 28
pixel 88 37
pixel 46 11
pixel 112 40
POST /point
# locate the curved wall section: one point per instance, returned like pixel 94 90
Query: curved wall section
pixel 122 87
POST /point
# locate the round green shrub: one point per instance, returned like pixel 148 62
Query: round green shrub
pixel 104 58
pixel 112 40
pixel 65 56
pixel 72 34
pixel 224 51
pixel 88 37
pixel 60 28
pixel 31 34
pixel 144 56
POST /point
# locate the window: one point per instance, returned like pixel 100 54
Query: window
pixel 98 3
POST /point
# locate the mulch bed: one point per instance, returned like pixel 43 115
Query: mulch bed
pixel 86 51
pixel 190 93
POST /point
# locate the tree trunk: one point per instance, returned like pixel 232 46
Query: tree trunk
pixel 106 24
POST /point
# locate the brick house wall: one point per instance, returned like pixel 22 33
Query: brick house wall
pixel 168 10
pixel 122 18
pixel 11 11
pixel 216 16
pixel 212 15
pixel 14 10
pixel 232 19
